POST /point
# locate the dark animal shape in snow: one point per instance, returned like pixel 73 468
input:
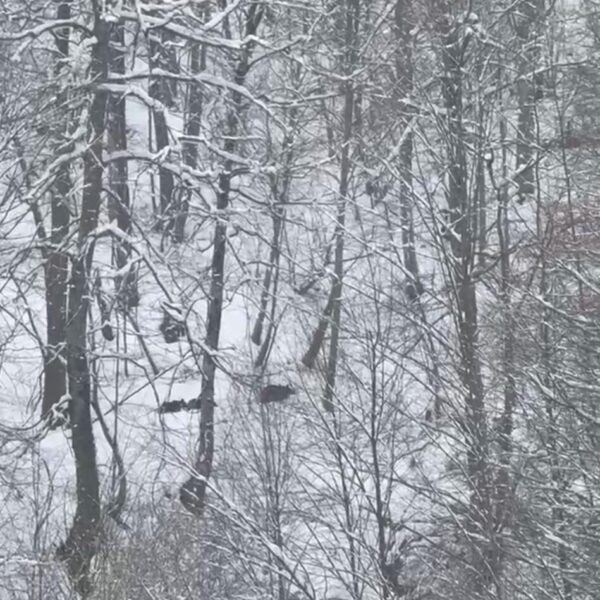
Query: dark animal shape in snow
pixel 105 310
pixel 173 323
pixel 173 406
pixel 392 571
pixel 414 289
pixel 276 393
pixel 107 332
pixel 130 297
pixel 193 492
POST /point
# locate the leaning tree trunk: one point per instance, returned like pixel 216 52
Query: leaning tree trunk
pixel 193 491
pixel 81 544
pixel 310 357
pixel 56 265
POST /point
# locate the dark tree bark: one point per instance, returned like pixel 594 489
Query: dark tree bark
pixel 119 205
pixel 56 264
pixel 81 544
pixel 404 23
pixel 463 245
pixel 503 479
pixel 310 357
pixel 529 14
pixel 269 290
pixel 192 129
pixel 352 9
pixel 280 193
pixel 160 91
pixel 193 491
pixel 551 373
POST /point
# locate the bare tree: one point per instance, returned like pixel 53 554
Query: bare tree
pixel 82 542
pixel 119 204
pixel 404 22
pixel 528 20
pixel 56 269
pixel 193 490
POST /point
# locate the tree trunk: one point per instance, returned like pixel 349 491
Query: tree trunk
pixel 352 8
pixel 280 194
pixel 119 205
pixel 81 544
pixel 157 90
pixel 559 496
pixel 193 491
pixel 503 487
pixel 530 13
pixel 192 129
pixel 403 21
pixel 308 360
pixel 56 265
pixel 463 243
pixel 274 254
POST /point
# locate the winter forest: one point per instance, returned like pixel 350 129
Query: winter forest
pixel 299 299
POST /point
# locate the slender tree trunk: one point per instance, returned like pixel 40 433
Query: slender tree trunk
pixel 193 491
pixel 166 184
pixel 192 129
pixel 280 194
pixel 56 265
pixel 480 214
pixel 528 19
pixel 157 90
pixel 310 357
pixel 273 446
pixel 352 8
pixel 271 280
pixel 388 578
pixel 549 391
pixel 403 21
pixel 274 254
pixel 463 244
pixel 503 504
pixel 81 544
pixel 557 496
pixel 119 205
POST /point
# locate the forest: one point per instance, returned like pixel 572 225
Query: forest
pixel 299 299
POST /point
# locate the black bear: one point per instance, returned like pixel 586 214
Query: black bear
pixel 276 393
